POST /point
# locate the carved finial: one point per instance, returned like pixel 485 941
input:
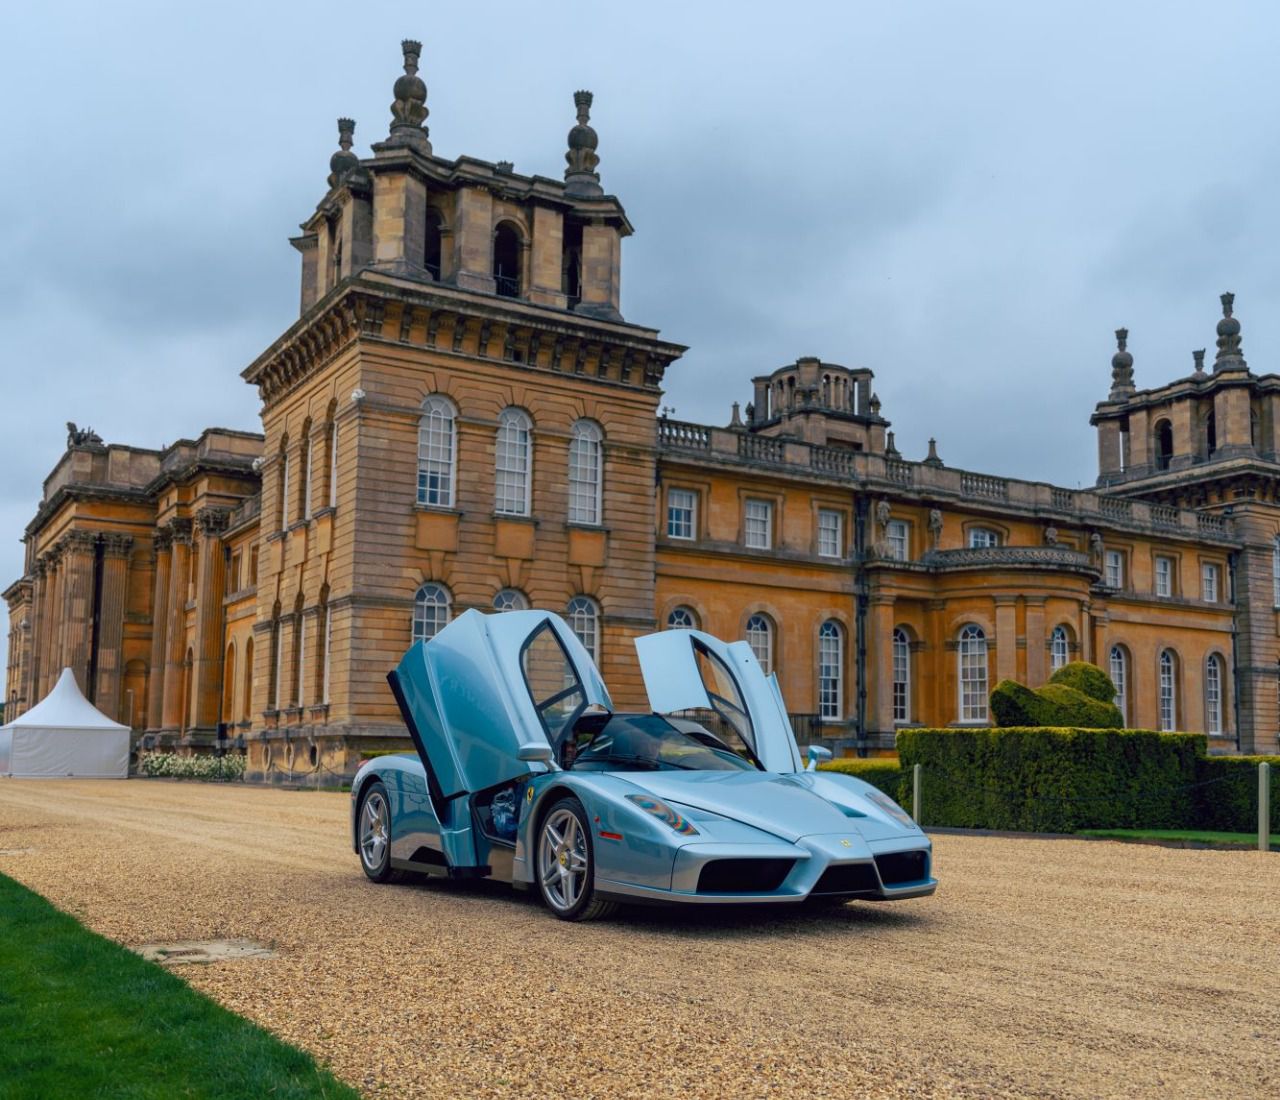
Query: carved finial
pixel 932 458
pixel 1228 357
pixel 504 167
pixel 890 447
pixel 1197 357
pixel 409 111
pixel 344 160
pixel 1122 368
pixel 735 421
pixel 874 405
pixel 581 177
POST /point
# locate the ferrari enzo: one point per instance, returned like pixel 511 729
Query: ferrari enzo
pixel 525 773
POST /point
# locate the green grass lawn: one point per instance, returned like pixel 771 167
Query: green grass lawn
pixel 81 1016
pixel 1195 836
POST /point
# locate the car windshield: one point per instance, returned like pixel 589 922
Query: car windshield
pixel 646 742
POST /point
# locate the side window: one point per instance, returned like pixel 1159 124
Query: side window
pixel 552 681
pixel 726 699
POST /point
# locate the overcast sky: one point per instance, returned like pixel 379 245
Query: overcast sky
pixel 966 198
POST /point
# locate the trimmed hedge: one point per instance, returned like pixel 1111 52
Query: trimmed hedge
pixel 1056 780
pixel 1054 705
pixel 1086 678
pixel 1228 802
pixel 885 775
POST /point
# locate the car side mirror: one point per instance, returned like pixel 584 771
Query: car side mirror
pixel 535 754
pixel 817 753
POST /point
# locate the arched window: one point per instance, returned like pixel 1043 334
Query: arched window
pixel 304 490
pixel 760 638
pixel 432 610
pixel 583 615
pixel 431 243
pixel 282 504
pixel 229 684
pixel 571 264
pixel 1163 444
pixel 506 261
pixel 831 670
pixel 1168 691
pixel 901 676
pixel 437 451
pixel 333 464
pixel 1119 667
pixel 682 618
pixel 510 599
pixel 1059 648
pixel 973 674
pixel 584 473
pixel 1213 679
pixel 246 703
pixel 512 463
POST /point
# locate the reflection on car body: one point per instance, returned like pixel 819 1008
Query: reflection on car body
pixel 524 772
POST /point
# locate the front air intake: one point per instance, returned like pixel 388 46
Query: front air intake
pixel 899 868
pixel 848 878
pixel 743 876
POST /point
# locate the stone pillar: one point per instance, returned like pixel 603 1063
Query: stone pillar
pixel 937 692
pixel 175 629
pixel 49 622
pixel 78 596
pixel 547 258
pixel 601 271
pixel 880 664
pixel 473 240
pixel 39 607
pixel 1006 638
pixel 399 221
pixel 1084 631
pixel 206 676
pixel 1109 459
pixel 1036 639
pixel 161 550
pixel 1141 456
pixel 115 586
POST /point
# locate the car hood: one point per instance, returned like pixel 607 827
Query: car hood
pixel 778 804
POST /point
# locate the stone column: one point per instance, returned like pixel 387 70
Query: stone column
pixel 1084 632
pixel 546 258
pixel 939 704
pixel 473 239
pixel 161 550
pixel 39 603
pixel 115 586
pixel 50 618
pixel 78 594
pixel 1036 639
pixel 206 676
pixel 601 271
pixel 1006 638
pixel 175 631
pixel 880 664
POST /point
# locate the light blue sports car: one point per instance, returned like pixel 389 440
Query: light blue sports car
pixel 524 773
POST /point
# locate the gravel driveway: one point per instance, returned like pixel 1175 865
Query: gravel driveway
pixel 1040 968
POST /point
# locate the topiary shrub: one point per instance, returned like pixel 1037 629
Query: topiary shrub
pixel 1086 678
pixel 1013 704
pixel 885 775
pixel 1060 780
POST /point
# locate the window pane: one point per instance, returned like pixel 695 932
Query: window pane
pixel 973 675
pixel 682 618
pixel 1060 650
pixel 680 513
pixel 510 599
pixel 436 450
pixel 983 537
pixel 759 524
pixel 553 682
pixel 584 474
pixel 830 541
pixel 1115 569
pixel 760 638
pixel 1210 585
pixel 584 619
pixel 901 677
pixel 830 670
pixel 1213 695
pixel 1119 677
pixel 511 468
pixel 1168 693
pixel 431 611
pixel 897 537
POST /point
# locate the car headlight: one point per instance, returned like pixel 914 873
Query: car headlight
pixel 663 812
pixel 891 808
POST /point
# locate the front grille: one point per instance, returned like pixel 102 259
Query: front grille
pixel 743 876
pixel 847 878
pixel 898 868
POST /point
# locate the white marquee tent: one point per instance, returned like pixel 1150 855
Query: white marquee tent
pixel 64 735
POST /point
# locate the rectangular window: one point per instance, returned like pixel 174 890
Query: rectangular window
pixel 328 645
pixel 306 480
pixel 758 525
pixel 253 566
pixel 235 572
pixel 1115 569
pixel 897 536
pixel 299 671
pixel 1209 583
pixel 830 533
pixel 284 492
pixel 682 513
pixel 982 538
pixel 1164 576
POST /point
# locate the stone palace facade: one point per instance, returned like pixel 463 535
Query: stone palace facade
pixel 461 417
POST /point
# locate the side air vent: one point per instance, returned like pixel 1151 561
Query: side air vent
pixel 899 868
pixel 743 876
pixel 848 878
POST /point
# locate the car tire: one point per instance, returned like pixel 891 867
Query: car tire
pixel 373 833
pixel 565 864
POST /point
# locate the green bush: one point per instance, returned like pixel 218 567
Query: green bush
pixel 173 766
pixel 885 775
pixel 1055 704
pixel 1056 780
pixel 1228 800
pixel 1086 678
